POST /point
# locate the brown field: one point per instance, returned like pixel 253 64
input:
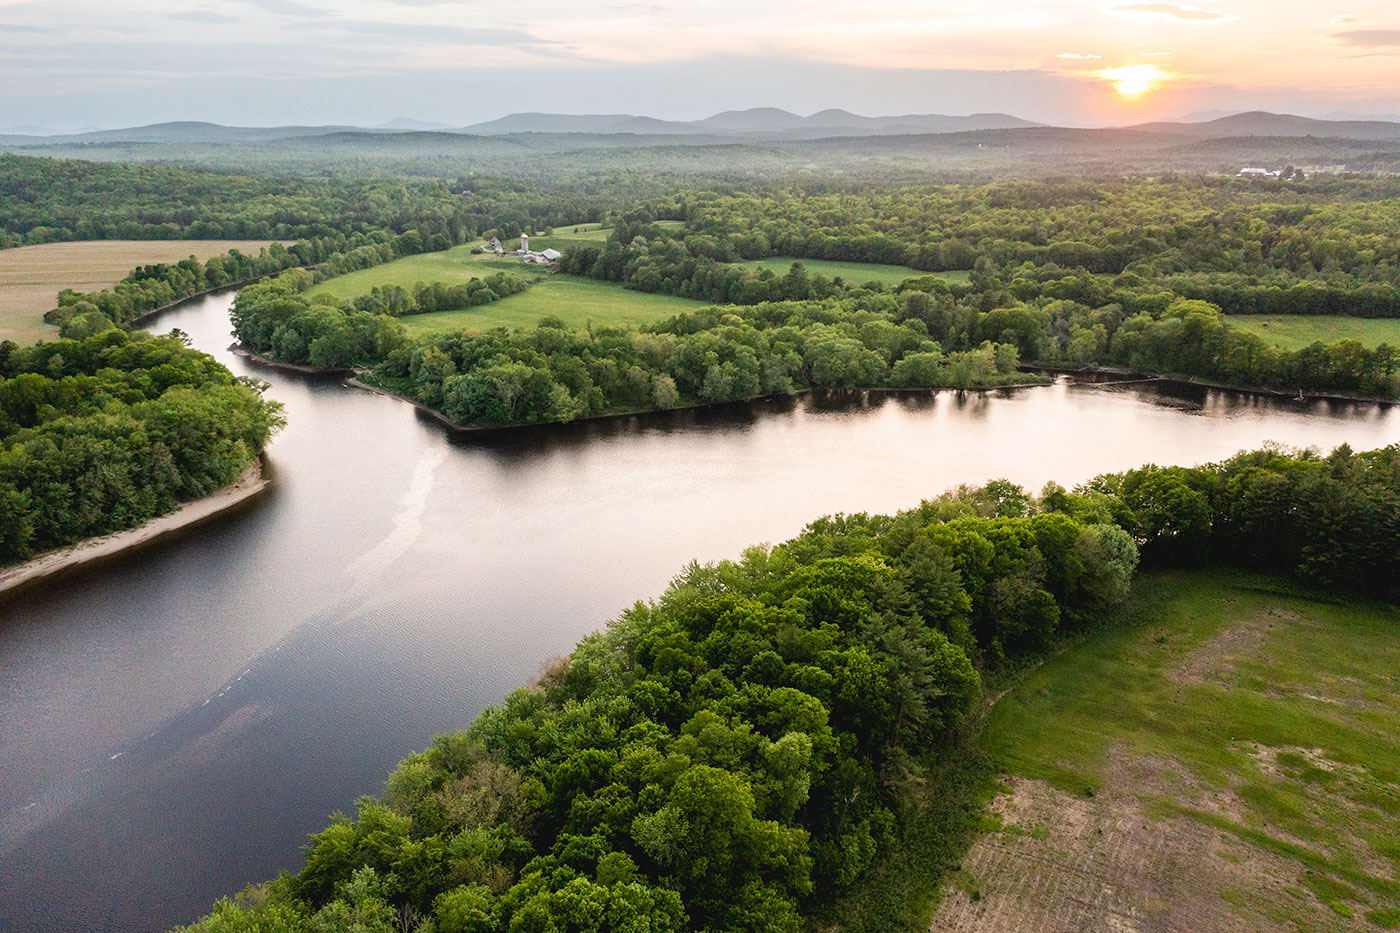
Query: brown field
pixel 32 276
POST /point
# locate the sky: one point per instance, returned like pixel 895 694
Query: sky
pixel 71 64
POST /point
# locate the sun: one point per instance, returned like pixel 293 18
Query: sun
pixel 1132 81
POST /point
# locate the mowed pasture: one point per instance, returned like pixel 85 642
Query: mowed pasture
pixel 32 276
pixel 1295 331
pixel 578 302
pixel 451 266
pixel 1226 762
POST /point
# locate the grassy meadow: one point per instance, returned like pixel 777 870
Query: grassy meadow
pixel 577 302
pixel 32 276
pixel 852 272
pixel 1295 331
pixel 451 266
pixel 1248 728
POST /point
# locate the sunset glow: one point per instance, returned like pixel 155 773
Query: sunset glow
pixel 1135 80
pixel 1046 60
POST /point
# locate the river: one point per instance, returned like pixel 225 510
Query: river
pixel 174 722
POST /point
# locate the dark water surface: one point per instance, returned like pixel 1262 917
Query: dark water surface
pixel 173 723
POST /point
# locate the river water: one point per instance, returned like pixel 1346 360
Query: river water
pixel 174 722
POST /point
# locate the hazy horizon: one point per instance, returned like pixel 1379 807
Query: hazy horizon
pixel 68 65
pixel 401 121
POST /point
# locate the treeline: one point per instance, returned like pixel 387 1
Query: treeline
pixel 274 318
pixel 648 258
pixel 428 297
pixel 1148 331
pixel 1340 229
pixel 51 200
pixel 552 374
pixel 46 200
pixel 100 434
pixel 277 319
pixel 708 357
pixel 1053 315
pixel 739 754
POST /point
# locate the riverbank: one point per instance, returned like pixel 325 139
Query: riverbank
pixel 614 415
pixel 252 483
pixel 142 319
pixel 1131 376
pixel 307 369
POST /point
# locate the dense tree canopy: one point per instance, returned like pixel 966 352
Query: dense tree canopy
pixel 100 434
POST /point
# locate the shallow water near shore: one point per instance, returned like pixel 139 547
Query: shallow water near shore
pixel 173 723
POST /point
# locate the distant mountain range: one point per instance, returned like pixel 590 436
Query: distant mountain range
pixel 1259 123
pixel 755 125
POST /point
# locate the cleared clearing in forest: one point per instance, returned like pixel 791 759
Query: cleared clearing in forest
pixel 1228 763
pixel 1296 331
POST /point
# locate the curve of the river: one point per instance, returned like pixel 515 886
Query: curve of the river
pixel 173 723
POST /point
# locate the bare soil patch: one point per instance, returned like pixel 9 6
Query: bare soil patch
pixel 1067 864
pixel 1214 659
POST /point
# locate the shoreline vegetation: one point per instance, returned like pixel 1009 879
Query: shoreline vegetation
pixel 1131 377
pixel 101 434
pixel 1137 376
pixel 355 382
pixel 254 481
pixel 789 740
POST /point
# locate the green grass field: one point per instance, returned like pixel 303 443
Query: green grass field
pixel 562 237
pixel 1260 719
pixel 591 234
pixel 1295 331
pixel 852 272
pixel 574 300
pixel 451 266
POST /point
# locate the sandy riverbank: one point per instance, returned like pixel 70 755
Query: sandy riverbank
pixel 251 483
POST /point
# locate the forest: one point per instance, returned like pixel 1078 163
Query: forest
pixel 743 752
pixel 101 434
pixel 46 200
pixel 547 374
pixel 779 334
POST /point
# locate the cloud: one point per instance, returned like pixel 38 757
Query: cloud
pixel 286 7
pixel 1076 57
pixel 204 16
pixel 1368 38
pixel 439 34
pixel 1345 19
pixel 15 27
pixel 1171 11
